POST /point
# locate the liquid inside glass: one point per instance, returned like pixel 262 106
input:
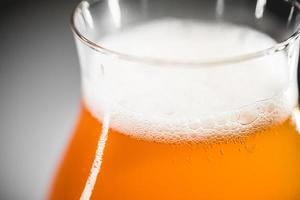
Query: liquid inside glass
pixel 159 132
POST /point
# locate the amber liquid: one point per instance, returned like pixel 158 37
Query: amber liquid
pixel 261 165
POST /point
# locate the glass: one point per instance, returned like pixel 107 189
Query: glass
pixel 185 99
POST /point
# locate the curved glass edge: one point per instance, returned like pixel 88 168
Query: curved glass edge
pixel 278 47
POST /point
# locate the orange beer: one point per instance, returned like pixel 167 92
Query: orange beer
pixel 262 165
pixel 148 131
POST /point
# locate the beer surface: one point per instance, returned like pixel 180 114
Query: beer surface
pixel 262 166
pixel 174 104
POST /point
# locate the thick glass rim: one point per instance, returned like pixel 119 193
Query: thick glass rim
pixel 279 46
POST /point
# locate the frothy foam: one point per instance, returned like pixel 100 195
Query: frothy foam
pixel 173 104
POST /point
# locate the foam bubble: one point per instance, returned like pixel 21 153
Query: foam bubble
pixel 174 104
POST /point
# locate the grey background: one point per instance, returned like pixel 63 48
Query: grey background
pixel 39 93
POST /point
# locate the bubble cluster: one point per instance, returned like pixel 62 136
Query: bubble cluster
pixel 177 104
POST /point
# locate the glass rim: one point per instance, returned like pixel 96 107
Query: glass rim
pixel 279 46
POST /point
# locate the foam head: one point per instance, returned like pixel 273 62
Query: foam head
pixel 171 104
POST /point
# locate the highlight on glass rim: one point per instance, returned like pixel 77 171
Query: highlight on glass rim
pixel 184 99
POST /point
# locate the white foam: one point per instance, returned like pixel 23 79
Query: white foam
pixel 173 104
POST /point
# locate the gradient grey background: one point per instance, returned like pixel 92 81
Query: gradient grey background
pixel 39 93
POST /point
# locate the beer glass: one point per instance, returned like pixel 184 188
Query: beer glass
pixel 185 99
